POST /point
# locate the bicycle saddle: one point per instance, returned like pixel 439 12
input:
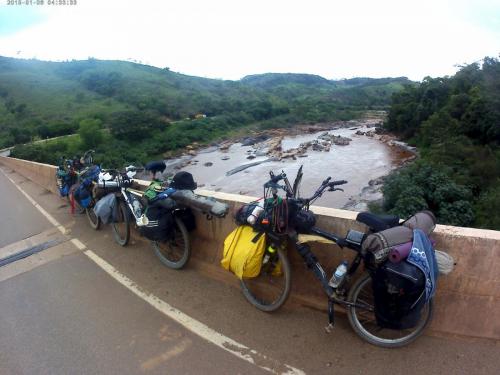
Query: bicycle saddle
pixel 155 166
pixel 377 222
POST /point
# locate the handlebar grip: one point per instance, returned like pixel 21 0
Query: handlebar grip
pixel 339 182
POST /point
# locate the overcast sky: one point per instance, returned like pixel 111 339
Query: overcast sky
pixel 229 39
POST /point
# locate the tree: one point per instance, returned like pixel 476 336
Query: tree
pixel 135 125
pixel 422 186
pixel 90 132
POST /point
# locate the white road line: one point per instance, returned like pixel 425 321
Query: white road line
pixel 79 245
pixel 195 326
pixel 48 216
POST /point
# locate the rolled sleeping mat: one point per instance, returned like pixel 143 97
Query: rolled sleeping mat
pixel 200 203
pixel 400 252
pixel 423 220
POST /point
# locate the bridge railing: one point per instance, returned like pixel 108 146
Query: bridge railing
pixel 467 300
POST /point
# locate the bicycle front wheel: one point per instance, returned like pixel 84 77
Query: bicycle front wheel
pixel 176 250
pixel 94 220
pixel 364 323
pixel 271 288
pixel 121 225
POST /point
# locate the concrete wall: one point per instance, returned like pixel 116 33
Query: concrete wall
pixel 467 301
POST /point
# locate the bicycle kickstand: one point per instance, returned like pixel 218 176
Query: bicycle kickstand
pixel 331 317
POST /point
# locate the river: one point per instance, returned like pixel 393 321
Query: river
pixel 364 159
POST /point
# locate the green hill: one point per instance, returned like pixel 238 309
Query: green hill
pixel 148 111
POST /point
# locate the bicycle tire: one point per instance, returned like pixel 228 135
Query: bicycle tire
pixel 176 251
pixel 362 324
pixel 121 228
pixel 257 291
pixel 94 220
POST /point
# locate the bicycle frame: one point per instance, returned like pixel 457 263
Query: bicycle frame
pixel 128 195
pixel 337 295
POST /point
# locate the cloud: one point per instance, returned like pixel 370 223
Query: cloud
pixel 230 39
pixel 16 18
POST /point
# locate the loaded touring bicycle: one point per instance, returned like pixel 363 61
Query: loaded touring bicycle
pixel 389 303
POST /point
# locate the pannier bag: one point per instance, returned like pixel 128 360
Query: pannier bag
pixel 64 181
pixel 399 295
pixel 303 221
pixel 274 215
pixel 244 212
pixel 243 252
pixel 91 174
pixel 82 195
pixel 187 217
pixel 160 224
pixel 106 208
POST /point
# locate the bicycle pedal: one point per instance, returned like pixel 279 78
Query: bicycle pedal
pixel 329 328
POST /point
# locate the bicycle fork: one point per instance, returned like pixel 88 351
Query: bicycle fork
pixel 313 264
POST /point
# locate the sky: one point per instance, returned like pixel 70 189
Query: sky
pixel 229 39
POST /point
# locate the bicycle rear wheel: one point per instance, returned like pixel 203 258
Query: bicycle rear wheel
pixel 176 251
pixel 121 226
pixel 271 288
pixel 364 323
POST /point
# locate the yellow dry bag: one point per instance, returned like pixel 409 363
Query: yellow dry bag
pixel 243 252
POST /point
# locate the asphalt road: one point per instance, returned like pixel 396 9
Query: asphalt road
pixel 60 313
pixel 18 218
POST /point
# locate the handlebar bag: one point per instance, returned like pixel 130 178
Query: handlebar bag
pixel 243 252
pixel 160 225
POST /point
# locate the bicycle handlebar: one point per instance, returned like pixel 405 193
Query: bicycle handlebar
pixel 273 183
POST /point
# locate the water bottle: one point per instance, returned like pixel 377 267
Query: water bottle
pixel 338 275
pixel 137 208
pixel 267 255
pixel 255 213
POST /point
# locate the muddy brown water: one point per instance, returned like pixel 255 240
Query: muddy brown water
pixel 359 162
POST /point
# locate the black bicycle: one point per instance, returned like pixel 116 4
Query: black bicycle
pixel 173 248
pixel 270 290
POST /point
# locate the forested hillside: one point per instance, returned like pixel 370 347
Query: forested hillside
pixel 455 122
pixel 131 112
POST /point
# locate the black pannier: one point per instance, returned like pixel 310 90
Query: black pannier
pixel 187 218
pixel 303 221
pixel 160 225
pixel 399 294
